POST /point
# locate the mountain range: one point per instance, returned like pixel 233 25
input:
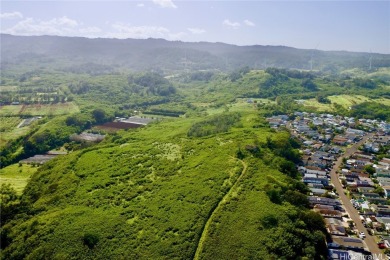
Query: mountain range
pixel 56 52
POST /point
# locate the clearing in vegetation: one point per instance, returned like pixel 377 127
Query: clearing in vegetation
pixel 17 175
pixel 345 101
pixel 39 109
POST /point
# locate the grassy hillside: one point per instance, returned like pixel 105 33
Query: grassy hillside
pixel 148 193
pixel 17 175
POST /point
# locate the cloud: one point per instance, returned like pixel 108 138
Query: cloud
pixel 140 5
pixel 62 21
pixel 165 3
pixel 249 23
pixel 196 30
pixel 123 31
pixel 13 15
pixel 233 25
pixel 129 31
pixel 62 26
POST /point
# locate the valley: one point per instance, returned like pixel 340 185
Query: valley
pixel 132 162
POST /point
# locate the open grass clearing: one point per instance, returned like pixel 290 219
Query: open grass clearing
pixel 8 88
pixel 10 110
pixel 344 100
pixel 13 134
pixel 40 109
pixel 17 175
pixel 9 123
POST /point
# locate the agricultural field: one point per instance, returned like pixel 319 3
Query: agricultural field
pixel 9 129
pixel 17 175
pixel 10 110
pixel 9 123
pixel 39 109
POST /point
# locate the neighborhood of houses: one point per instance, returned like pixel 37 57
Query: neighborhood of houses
pixel 364 175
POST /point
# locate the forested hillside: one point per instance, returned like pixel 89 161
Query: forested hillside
pixel 97 56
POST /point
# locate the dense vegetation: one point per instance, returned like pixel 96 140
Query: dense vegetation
pixel 371 110
pixel 214 125
pixel 149 193
pixel 107 56
pixel 209 179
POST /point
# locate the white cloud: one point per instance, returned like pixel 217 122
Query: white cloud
pixel 140 5
pixel 129 31
pixel 249 23
pixel 62 26
pixel 165 3
pixel 230 24
pixel 13 15
pixel 62 21
pixel 123 31
pixel 196 30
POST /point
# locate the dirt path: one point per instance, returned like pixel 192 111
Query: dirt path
pixel 225 198
pixel 352 212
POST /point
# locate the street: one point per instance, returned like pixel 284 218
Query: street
pixel 352 212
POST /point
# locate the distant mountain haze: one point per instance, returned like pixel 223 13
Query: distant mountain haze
pixel 67 53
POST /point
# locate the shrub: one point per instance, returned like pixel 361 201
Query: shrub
pixel 90 240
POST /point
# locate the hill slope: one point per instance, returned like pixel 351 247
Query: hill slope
pixel 166 56
pixel 149 193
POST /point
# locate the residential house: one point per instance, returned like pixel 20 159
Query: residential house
pixel 314 200
pixel 349 243
pixel 326 213
pixel 365 189
pixel 354 131
pixel 382 172
pixel 340 140
pixel 323 181
pixel 335 226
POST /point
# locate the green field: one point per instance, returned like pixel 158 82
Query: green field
pixel 40 109
pixel 17 175
pixel 10 110
pixel 9 123
pixel 344 100
pixel 9 130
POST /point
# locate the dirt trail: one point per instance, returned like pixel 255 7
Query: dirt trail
pixel 225 198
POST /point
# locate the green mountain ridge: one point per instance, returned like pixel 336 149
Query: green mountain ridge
pixel 171 56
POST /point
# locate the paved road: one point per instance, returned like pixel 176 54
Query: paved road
pixel 352 212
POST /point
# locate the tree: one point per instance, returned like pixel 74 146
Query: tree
pixel 309 84
pixel 369 169
pixel 90 240
pixel 9 202
pixel 296 198
pixel 288 168
pixel 99 115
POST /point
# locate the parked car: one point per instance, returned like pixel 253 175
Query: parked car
pixel 381 245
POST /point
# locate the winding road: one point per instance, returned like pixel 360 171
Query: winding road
pixel 352 212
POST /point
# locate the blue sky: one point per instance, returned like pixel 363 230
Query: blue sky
pixel 327 25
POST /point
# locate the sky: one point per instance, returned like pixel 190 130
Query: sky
pixel 362 26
